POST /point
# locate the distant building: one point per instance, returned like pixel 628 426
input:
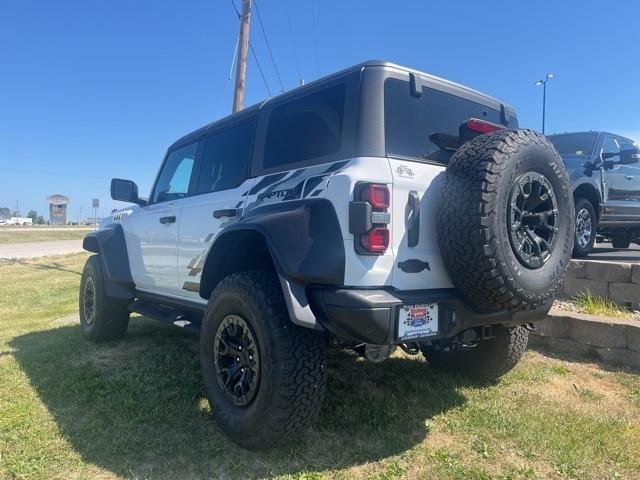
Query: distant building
pixel 58 205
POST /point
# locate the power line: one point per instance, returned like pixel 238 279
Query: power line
pixel 315 37
pixel 293 42
pixel 255 57
pixel 264 33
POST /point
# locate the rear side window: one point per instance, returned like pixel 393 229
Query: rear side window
pixel 409 120
pixel 226 158
pixel 575 143
pixel 306 128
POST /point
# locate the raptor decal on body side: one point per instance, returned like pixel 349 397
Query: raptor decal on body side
pixel 300 183
pixel 196 264
pixel 191 286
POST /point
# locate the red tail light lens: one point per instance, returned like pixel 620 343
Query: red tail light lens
pixel 481 126
pixel 376 240
pixel 377 195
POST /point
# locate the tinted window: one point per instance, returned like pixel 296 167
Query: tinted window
pixel 409 120
pixel 175 177
pixel 575 143
pixel 226 158
pixel 610 145
pixel 626 144
pixel 309 127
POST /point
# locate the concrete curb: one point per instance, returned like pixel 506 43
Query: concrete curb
pixel 610 340
pixel 619 282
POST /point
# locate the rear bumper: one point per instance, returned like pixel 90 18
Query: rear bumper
pixel 370 315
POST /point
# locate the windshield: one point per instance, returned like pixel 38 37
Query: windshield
pixel 574 143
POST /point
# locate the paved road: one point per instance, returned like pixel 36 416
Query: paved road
pixel 601 251
pixel 39 249
pixel 605 252
pixel 11 228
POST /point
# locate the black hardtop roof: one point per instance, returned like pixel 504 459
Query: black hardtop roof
pixel 308 86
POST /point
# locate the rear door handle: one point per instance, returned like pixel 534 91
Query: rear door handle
pixel 225 212
pixel 629 177
pixel 169 219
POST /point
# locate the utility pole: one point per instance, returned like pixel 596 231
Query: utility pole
pixel 243 52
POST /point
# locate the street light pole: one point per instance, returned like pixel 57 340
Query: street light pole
pixel 548 77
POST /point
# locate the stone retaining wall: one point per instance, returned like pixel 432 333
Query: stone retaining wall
pixel 609 340
pixel 619 282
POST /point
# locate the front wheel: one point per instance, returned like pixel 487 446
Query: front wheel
pixel 585 228
pixel 487 360
pixel 264 376
pixel 101 318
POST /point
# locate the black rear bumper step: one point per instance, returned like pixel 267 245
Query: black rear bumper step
pixel 370 315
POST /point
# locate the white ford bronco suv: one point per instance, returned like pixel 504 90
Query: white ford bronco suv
pixel 374 208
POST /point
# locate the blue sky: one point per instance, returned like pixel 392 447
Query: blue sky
pixel 90 90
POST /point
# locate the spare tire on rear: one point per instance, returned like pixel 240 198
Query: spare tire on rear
pixel 506 223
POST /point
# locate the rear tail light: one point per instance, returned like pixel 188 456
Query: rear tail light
pixel 482 126
pixel 377 195
pixel 376 240
pixel 368 218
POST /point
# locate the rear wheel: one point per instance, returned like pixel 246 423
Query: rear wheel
pixel 621 240
pixel 487 360
pixel 101 318
pixel 264 376
pixel 585 234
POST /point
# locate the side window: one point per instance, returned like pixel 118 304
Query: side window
pixel 626 144
pixel 226 158
pixel 610 145
pixel 175 177
pixel 305 128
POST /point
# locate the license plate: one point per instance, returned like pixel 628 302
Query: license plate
pixel 417 321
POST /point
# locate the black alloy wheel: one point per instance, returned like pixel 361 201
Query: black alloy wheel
pixel 237 360
pixel 532 212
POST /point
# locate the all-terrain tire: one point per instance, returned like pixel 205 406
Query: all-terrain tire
pixel 292 359
pixel 584 207
pixel 474 222
pixel 487 361
pixel 621 240
pixel 101 318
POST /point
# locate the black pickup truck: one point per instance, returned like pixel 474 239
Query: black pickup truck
pixel 605 175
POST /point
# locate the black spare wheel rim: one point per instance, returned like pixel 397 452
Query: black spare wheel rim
pixel 533 219
pixel 89 300
pixel 237 360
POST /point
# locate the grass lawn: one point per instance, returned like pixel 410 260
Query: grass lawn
pixel 135 408
pixel 39 235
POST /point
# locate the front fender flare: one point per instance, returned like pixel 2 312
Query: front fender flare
pixel 109 242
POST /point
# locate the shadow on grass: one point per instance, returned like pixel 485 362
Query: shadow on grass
pixel 136 407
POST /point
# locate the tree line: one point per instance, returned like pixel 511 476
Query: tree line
pixel 33 215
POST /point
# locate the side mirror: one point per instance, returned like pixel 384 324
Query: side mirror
pixel 629 157
pixel 125 191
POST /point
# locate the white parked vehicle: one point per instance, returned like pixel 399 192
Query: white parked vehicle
pixel 379 207
pixel 19 221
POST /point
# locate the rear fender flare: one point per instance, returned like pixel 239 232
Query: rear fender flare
pixel 303 243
